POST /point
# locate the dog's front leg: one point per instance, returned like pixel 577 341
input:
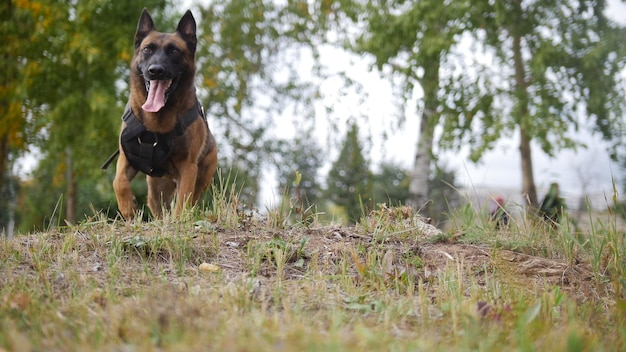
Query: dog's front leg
pixel 186 186
pixel 124 173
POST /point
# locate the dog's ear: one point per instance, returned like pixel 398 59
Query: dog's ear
pixel 144 27
pixel 187 30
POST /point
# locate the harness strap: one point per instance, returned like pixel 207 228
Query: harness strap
pixel 148 151
pixel 110 160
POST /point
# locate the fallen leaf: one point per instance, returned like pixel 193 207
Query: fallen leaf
pixel 209 268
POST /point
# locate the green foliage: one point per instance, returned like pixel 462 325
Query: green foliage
pixel 553 205
pixel 412 41
pixel 304 156
pixel 8 193
pixel 74 64
pixel 18 24
pixel 390 185
pixel 563 52
pixel 349 179
pixel 551 52
pixel 18 27
pixel 544 70
pixel 41 194
pixel 248 57
pixel 444 194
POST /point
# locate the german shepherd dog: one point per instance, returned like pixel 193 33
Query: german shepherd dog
pixel 164 131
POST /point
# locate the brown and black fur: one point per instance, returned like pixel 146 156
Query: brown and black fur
pixel 193 161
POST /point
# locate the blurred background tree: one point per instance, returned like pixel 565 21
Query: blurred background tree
pixel 411 41
pixel 557 69
pixel 72 81
pixel 306 156
pixel 390 185
pixel 484 70
pixel 249 53
pixel 475 71
pixel 18 22
pixel 349 183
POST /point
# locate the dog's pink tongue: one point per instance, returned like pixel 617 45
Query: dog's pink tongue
pixel 156 96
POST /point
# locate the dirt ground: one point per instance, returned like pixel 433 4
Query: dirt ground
pixel 329 245
pixel 421 254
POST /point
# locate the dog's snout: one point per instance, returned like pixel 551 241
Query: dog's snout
pixel 156 70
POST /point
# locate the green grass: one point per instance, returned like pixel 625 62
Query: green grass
pixel 381 285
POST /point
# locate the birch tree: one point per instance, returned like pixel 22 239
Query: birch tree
pixel 556 69
pixel 540 69
pixel 410 41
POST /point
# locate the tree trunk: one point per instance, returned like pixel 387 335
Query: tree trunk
pixel 4 103
pixel 9 76
pixel 529 190
pixel 71 196
pixel 418 186
pixel 4 156
pixel 419 191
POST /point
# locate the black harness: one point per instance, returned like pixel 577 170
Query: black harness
pixel 148 151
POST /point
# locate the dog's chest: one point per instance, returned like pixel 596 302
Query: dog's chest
pixel 151 152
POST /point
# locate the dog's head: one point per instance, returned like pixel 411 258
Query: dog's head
pixel 161 59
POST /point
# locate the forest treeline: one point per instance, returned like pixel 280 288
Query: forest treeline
pixel 476 71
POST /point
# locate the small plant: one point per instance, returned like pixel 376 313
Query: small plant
pixel 398 223
pixel 225 207
pixel 291 251
pixel 292 208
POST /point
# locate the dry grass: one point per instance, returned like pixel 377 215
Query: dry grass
pixel 383 285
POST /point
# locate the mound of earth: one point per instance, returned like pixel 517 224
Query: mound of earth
pixel 417 250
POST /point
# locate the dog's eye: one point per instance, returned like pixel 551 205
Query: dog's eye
pixel 147 50
pixel 174 51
